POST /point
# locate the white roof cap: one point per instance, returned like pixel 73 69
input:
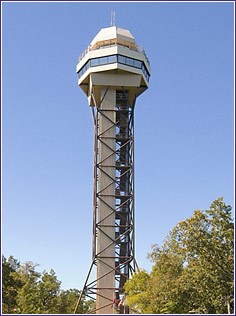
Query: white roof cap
pixel 113 32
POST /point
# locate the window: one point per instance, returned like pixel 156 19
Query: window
pixel 129 61
pixel 103 60
pixel 137 64
pixel 94 62
pixel 121 59
pixel 86 66
pixel 112 59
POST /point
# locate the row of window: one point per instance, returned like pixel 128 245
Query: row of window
pixel 115 59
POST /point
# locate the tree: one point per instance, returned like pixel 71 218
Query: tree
pixel 28 296
pixel 27 291
pixel 68 300
pixel 40 292
pixel 11 284
pixel 207 241
pixel 194 269
pixel 49 290
pixel 137 289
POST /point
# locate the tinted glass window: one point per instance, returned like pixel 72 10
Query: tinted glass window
pixel 94 62
pixel 112 59
pixel 121 59
pixel 137 63
pixel 103 60
pixel 129 61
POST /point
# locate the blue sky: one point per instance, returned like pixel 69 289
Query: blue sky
pixel 184 125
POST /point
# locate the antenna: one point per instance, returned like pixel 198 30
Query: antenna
pixel 113 18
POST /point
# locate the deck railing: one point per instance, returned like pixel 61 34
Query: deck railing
pixel 136 48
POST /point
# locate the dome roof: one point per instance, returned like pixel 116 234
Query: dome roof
pixel 113 32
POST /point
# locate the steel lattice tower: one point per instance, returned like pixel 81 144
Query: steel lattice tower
pixel 112 72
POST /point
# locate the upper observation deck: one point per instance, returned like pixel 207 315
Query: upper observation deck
pixel 113 50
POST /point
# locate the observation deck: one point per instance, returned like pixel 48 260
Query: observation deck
pixel 114 51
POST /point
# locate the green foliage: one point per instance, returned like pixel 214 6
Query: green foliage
pixel 193 270
pixel 28 295
pixel 26 291
pixel 68 300
pixel 137 292
pixel 49 290
pixel 11 284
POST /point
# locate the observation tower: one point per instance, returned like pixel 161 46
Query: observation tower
pixel 112 72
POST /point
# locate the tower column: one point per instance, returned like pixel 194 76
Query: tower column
pixel 106 202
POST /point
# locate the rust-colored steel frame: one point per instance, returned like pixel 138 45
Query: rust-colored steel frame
pixel 124 255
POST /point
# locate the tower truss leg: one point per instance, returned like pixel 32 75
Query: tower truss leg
pixel 113 253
